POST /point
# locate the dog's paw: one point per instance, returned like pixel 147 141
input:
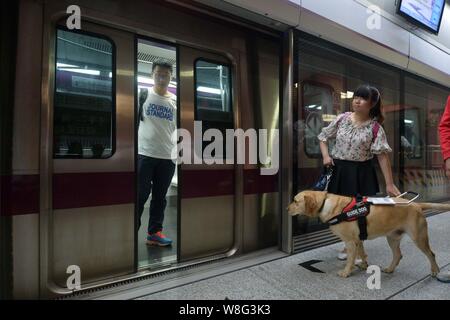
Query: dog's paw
pixel 362 265
pixel 343 273
pixel 388 270
pixel 434 273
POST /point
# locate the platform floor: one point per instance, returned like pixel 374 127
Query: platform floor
pixel 285 279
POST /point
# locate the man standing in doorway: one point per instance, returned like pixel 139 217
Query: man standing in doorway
pixel 155 143
pixel 444 136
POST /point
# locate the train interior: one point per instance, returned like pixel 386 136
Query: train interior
pixel 151 256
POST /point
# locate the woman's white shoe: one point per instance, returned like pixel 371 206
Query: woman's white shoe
pixel 343 256
pixel 443 277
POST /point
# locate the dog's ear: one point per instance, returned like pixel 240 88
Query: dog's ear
pixel 298 197
pixel 310 204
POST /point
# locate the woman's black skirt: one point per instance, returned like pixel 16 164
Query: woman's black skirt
pixel 350 178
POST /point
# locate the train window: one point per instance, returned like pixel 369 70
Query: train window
pixel 328 77
pixel 424 103
pixel 212 91
pixel 318 108
pixel 213 98
pixel 84 100
pixel 411 141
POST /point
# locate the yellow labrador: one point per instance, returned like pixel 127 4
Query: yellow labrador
pixel 383 220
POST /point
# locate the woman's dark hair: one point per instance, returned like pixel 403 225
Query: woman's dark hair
pixel 373 95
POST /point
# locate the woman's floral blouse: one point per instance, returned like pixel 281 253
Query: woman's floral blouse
pixel 354 143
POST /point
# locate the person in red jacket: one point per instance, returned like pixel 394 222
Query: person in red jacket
pixel 444 136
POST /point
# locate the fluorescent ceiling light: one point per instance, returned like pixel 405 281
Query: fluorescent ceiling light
pixel 209 90
pixel 145 80
pixel 63 65
pixel 84 71
pixel 328 117
pixel 347 95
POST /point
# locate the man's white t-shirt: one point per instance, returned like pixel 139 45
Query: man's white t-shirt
pixel 156 136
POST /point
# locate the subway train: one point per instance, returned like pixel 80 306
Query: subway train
pixel 70 101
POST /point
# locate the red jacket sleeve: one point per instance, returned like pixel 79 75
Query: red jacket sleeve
pixel 444 131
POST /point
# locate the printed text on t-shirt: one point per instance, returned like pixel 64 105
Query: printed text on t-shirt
pixel 159 111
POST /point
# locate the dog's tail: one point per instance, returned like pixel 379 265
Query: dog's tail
pixel 439 206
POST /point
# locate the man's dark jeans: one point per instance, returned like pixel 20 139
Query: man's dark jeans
pixel 154 175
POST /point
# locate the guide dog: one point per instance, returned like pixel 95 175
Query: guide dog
pixel 391 221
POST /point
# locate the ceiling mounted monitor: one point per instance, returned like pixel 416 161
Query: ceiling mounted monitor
pixel 425 13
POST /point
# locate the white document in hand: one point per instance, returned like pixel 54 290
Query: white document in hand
pixel 379 200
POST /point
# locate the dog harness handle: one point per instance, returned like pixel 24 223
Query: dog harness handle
pixel 357 209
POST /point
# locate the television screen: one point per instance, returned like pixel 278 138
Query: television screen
pixel 425 13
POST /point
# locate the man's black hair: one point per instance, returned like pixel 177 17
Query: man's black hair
pixel 162 64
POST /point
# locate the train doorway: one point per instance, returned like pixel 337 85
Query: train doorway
pixel 193 225
pixel 156 170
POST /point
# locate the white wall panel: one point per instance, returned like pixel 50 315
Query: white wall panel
pixel 428 54
pixel 354 16
pixel 350 39
pixel 344 22
pixel 429 61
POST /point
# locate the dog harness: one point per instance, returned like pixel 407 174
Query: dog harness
pixel 357 209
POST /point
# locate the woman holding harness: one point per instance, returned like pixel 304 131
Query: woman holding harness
pixel 359 137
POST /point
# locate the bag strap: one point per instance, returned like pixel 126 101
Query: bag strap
pixel 375 129
pixel 142 97
pixel 345 116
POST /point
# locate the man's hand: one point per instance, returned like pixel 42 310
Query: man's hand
pixel 447 168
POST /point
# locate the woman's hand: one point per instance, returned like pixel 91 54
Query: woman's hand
pixel 385 165
pixel 392 190
pixel 328 161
